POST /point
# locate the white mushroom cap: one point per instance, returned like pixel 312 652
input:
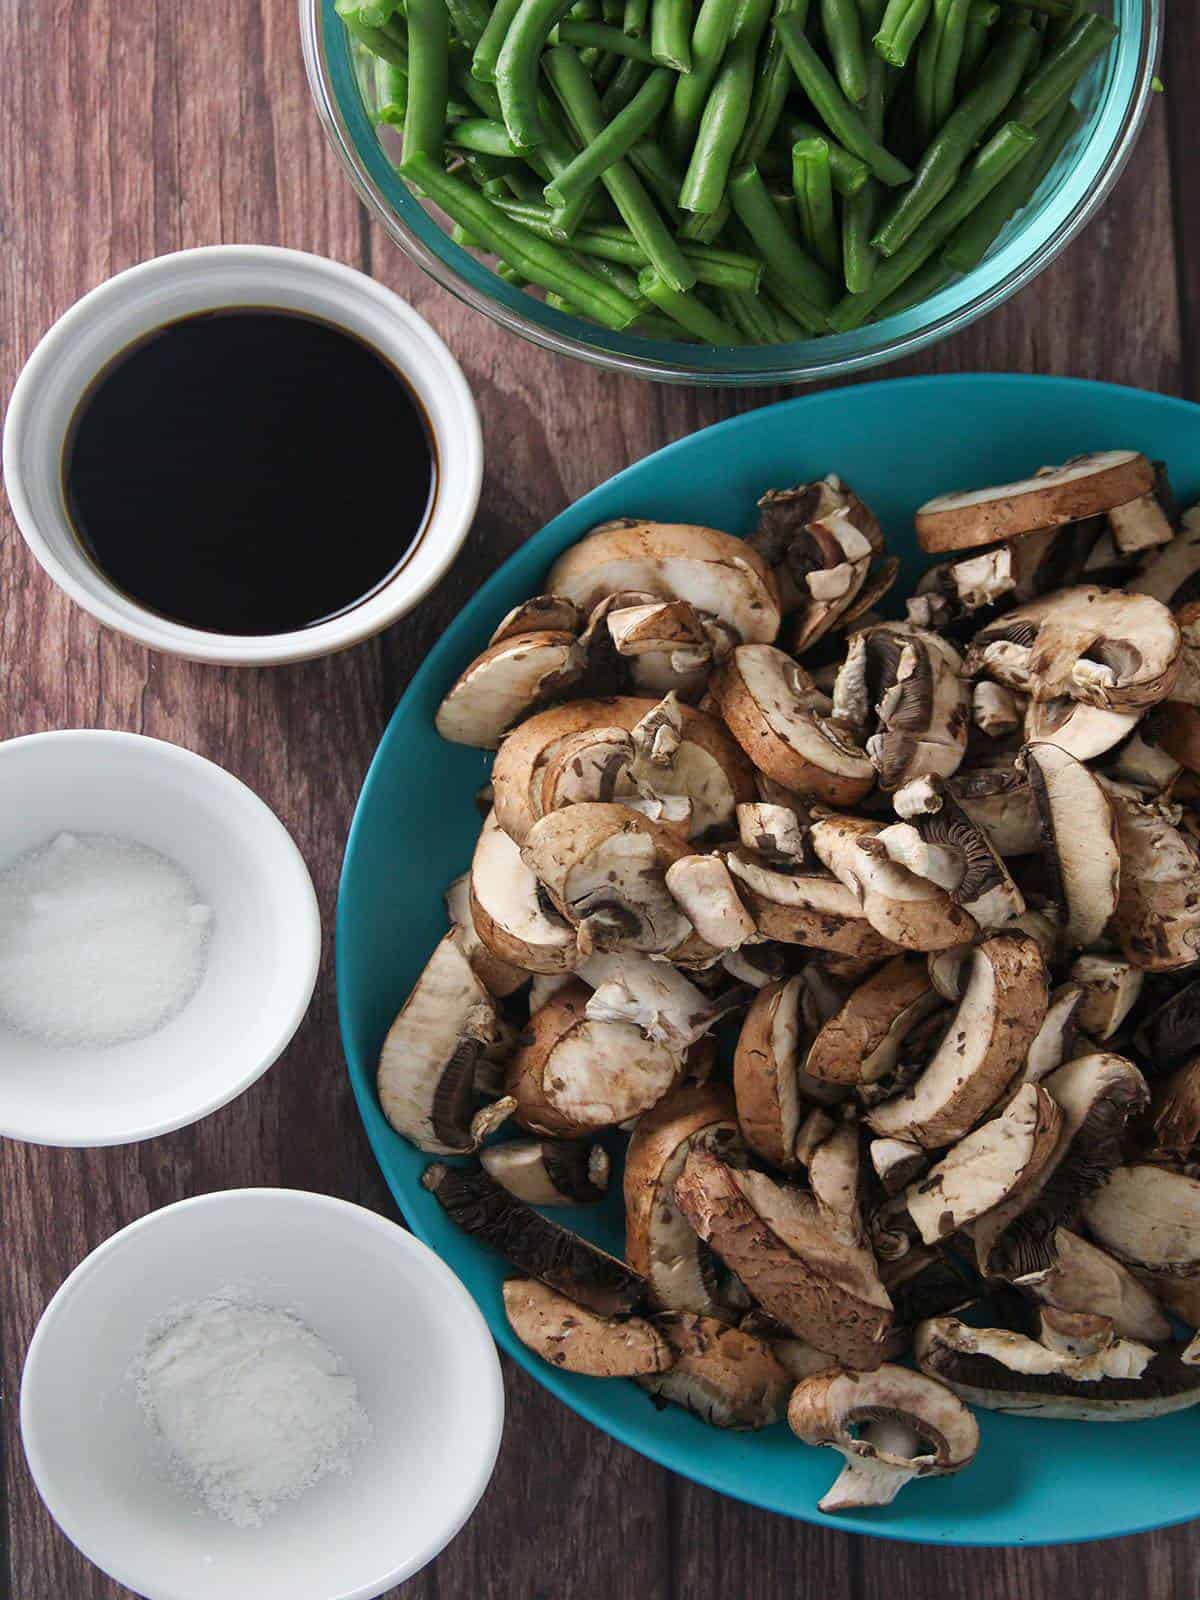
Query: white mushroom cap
pixel 508 681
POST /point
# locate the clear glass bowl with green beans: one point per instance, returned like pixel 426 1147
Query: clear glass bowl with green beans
pixel 732 191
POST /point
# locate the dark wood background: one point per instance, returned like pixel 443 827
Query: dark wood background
pixel 133 127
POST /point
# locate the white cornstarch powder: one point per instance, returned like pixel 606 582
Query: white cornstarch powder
pixel 252 1406
pixel 101 940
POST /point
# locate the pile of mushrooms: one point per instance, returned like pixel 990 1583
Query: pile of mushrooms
pixel 940 879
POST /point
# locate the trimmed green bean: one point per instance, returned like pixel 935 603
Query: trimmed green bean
pixel 373 36
pixel 993 162
pixel 704 227
pixel 993 90
pixel 609 241
pixel 1058 28
pixel 637 17
pixel 517 67
pixel 900 29
pixel 771 88
pixel 1059 72
pixel 849 172
pixel 924 283
pixel 949 58
pixel 724 118
pixel 605 37
pixel 582 106
pixel 478 133
pixel 511 275
pixel 748 313
pixel 614 142
pixel 391 93
pixel 428 78
pixel 487 51
pixel 785 260
pixel 468 19
pixel 812 182
pixel 710 36
pixel 843 37
pixel 660 175
pixel 842 119
pixel 686 310
pixel 976 38
pixel 612 272
pixel 540 262
pixel 671 24
pixel 789 328
pixel 859 210
pixel 626 81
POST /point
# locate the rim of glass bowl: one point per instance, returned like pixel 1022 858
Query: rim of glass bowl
pixel 1119 98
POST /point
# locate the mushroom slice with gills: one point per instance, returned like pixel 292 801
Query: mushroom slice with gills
pixel 929 1283
pixel 1110 990
pixel 1055 1040
pixel 776 714
pixel 499 977
pixel 543 613
pixel 659 1241
pixel 771 831
pixel 1000 802
pixel 1174 1135
pixel 1098 1096
pixel 725 1376
pixel 806 908
pixel 1085 486
pixel 1103 647
pixel 652 995
pixel 1139 524
pixel 756 965
pixel 1000 1013
pixel 1157 918
pixel 1079 842
pixel 717 574
pixel 896 1163
pixel 603 866
pixel 861 1042
pixel 705 893
pixel 595 764
pixel 766 1085
pixel 572 1075
pixel 1083 731
pixel 842 557
pixel 1170 1034
pixel 915 696
pixel 919 797
pixel 665 645
pixel 909 910
pixel 569 1336
pixel 949 849
pixel 512 915
pixel 427 1066
pixel 549 1172
pixel 1002 1158
pixel 777 1240
pixel 1079 1369
pixel 890 1425
pixel 507 682
pixel 794 550
pixel 1148 1217
pixel 533 1244
pixel 1171 573
pixel 1082 1277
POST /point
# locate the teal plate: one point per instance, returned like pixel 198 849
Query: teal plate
pixel 898 443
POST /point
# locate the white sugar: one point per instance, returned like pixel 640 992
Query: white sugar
pixel 101 941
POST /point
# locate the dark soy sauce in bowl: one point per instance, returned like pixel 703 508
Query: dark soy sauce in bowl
pixel 249 471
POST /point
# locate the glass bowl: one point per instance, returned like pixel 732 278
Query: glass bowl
pixel 1114 98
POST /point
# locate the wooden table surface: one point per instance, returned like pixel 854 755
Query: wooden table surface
pixel 137 128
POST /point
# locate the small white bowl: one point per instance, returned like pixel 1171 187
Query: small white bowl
pixel 408 1332
pixel 133 304
pixel 263 956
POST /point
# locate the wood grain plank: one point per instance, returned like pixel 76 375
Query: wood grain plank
pixel 1181 74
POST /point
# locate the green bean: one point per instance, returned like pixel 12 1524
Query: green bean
pixel 1061 70
pixel 704 227
pixel 626 81
pixel 487 172
pixel 428 78
pixel 992 91
pixel 848 171
pixel 843 37
pixel 710 36
pixel 660 175
pixel 637 17
pixel 1058 28
pixel 517 67
pixel 612 272
pixel 478 133
pixel 511 275
pixel 842 119
pixel 859 210
pixel 789 328
pixel 614 142
pixel 972 240
pixel 541 263
pixel 924 86
pixel 686 310
pixel 782 255
pixel 554 155
pixel 748 313
pixel 1050 8
pixel 900 29
pixel 813 185
pixel 606 37
pixel 354 15
pixel 609 241
pixel 924 283
pixel 724 118
pixel 671 33
pixel 582 106
pixel 993 162
pixel 487 51
pixel 949 58
pixel 468 19
pixel 771 88
pixel 391 93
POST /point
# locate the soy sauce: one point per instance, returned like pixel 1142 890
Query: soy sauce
pixel 249 471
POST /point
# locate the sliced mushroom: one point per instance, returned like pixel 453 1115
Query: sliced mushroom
pixel 1101 646
pixel 1082 1277
pixel 543 613
pixel 1177 729
pixel 807 908
pixel 1157 919
pixel 861 1042
pixel 1108 1380
pixel 1083 731
pixel 891 1425
pixel 766 1082
pixel 1110 990
pixel 771 831
pixel 1142 761
pixel 907 684
pixel 718 575
pixel 1079 844
pixel 819 540
pixel 659 1241
pixel 909 910
pixel 533 1244
pixel 1083 487
pixel 996 710
pixel 706 894
pixel 927 1283
pixel 511 914
pixel 1000 1012
pixel 508 681
pixel 569 1336
pixel 1055 1040
pixel 655 997
pixel 1148 1217
pixel 1175 1107
pixel 549 1172
pixel 427 1066
pixel 723 1375
pixel 897 1163
pixel 499 977
pixel 1170 572
pixel 572 1075
pixel 777 1240
pixel 777 716
pixel 1138 525
pixel 950 849
pixel 1171 1033
pixel 1001 803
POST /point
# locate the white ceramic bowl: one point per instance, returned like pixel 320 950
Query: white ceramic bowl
pixel 263 957
pixel 134 303
pixel 406 1329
